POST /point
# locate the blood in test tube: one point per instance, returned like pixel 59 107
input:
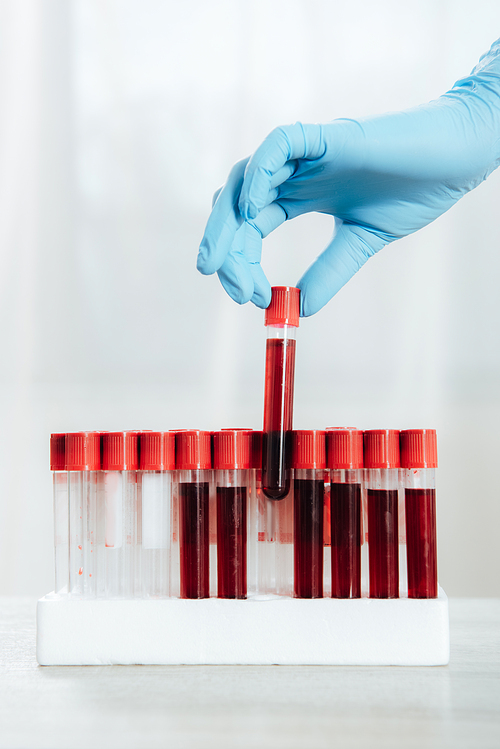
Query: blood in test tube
pixel 418 464
pixel 281 320
pixel 231 457
pixel 83 461
pixel 156 481
pixel 345 460
pixel 120 463
pixel 194 462
pixel 381 460
pixel 308 500
pixel 61 511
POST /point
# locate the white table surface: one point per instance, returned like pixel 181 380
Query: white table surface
pixel 250 706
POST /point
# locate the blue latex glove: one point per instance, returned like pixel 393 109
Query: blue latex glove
pixel 382 178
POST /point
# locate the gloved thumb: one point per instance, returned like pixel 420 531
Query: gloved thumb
pixel 349 249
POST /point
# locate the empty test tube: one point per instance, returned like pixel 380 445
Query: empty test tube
pixel 122 514
pixel 345 461
pixel 194 463
pixel 418 464
pixel 83 461
pixel 308 464
pixel 231 464
pixel 155 486
pixel 281 320
pixel 61 511
pixel 381 459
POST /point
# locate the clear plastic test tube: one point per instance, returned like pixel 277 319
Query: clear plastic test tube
pixel 381 459
pixel 345 461
pixel 231 464
pixel 155 485
pixel 281 320
pixel 122 514
pixel 308 464
pixel 61 512
pixel 418 469
pixel 194 463
pixel 83 461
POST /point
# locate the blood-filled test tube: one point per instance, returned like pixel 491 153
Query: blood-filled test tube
pixel 308 464
pixel 194 463
pixel 155 485
pixel 281 320
pixel 381 459
pixel 231 458
pixel 61 511
pixel 83 461
pixel 120 463
pixel 418 464
pixel 345 461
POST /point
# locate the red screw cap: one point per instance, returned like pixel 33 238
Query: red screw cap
pixel 120 451
pixel 381 448
pixel 57 452
pixel 157 451
pixel 231 449
pixel 309 448
pixel 83 451
pixel 344 448
pixel 193 450
pixel 284 308
pixel 418 448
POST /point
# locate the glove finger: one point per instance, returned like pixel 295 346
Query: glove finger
pixel 236 277
pixel 222 224
pixel 284 173
pixel 281 146
pixel 262 288
pixel 349 249
pixel 267 221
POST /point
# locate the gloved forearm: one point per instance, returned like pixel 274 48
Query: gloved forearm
pixel 382 178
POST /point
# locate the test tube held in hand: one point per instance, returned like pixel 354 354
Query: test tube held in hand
pixel 418 469
pixel 381 460
pixel 231 463
pixel 345 461
pixel 194 463
pixel 281 320
pixel 61 512
pixel 308 464
pixel 120 463
pixel 83 461
pixel 155 486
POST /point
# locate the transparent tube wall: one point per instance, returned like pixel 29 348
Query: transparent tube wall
pixel 232 533
pixel 122 521
pixel 61 531
pixel 82 490
pixel 156 491
pixel 346 532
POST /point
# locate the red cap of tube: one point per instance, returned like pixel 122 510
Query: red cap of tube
pixel 57 452
pixel 193 450
pixel 309 448
pixel 344 448
pixel 157 451
pixel 83 451
pixel 284 308
pixel 120 451
pixel 418 448
pixel 231 449
pixel 381 448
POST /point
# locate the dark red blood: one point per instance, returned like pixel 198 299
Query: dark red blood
pixel 383 543
pixel 194 540
pixel 308 538
pixel 232 542
pixel 421 543
pixel 345 512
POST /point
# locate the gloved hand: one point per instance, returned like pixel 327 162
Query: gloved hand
pixel 382 178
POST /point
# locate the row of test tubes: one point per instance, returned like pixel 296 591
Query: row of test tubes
pixel 184 514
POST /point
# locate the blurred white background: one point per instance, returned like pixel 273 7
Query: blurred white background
pixel 118 120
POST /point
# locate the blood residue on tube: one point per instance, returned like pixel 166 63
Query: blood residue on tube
pixel 383 547
pixel 278 416
pixel 345 510
pixel 232 542
pixel 420 505
pixel 194 540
